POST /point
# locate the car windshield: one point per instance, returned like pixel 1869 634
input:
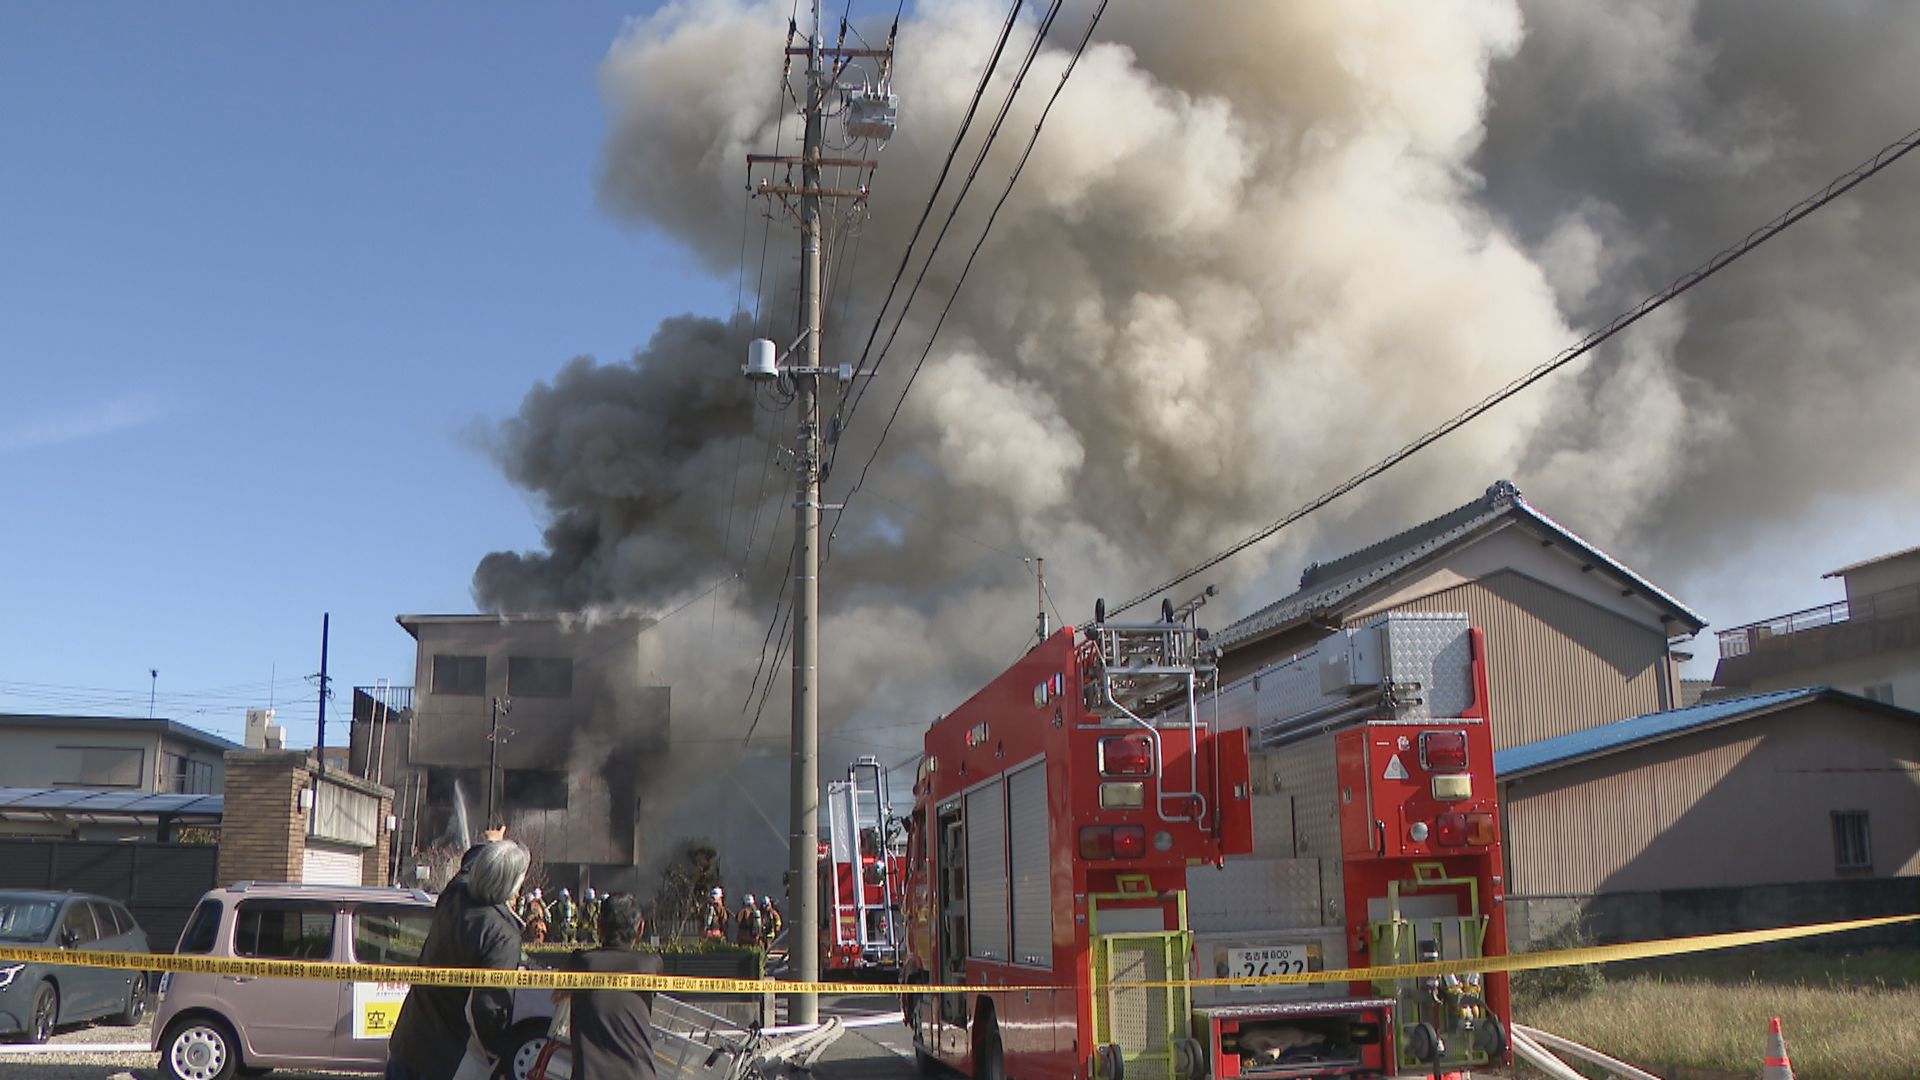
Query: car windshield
pixel 23 919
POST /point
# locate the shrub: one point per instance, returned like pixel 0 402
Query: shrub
pixel 1561 982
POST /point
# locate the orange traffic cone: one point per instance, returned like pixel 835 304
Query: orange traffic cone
pixel 1776 1067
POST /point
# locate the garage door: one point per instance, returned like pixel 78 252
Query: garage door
pixel 330 866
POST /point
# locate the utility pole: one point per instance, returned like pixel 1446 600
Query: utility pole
pixel 803 949
pixel 153 687
pixel 500 705
pixel 870 114
pixel 320 744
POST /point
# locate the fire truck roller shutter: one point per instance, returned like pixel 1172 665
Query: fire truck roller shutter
pixel 1028 828
pixel 986 823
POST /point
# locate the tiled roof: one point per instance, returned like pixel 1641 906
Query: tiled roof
pixel 1327 586
pixel 1621 734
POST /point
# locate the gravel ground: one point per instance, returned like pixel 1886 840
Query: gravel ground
pixel 75 1062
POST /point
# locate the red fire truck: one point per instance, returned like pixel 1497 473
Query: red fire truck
pixel 862 870
pixel 1103 813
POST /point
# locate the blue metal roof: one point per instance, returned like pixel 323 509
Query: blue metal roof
pixel 1621 734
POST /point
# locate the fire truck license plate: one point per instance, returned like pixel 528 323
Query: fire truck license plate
pixel 1268 960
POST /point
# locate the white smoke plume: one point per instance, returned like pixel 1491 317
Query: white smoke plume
pixel 1258 247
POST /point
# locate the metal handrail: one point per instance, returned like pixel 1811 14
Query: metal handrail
pixel 1741 640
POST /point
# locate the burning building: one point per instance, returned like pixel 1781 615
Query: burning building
pixel 539 721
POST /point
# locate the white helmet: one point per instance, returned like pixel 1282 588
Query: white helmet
pixel 589 892
pixel 747 899
pixel 717 892
pixel 536 894
pixel 564 892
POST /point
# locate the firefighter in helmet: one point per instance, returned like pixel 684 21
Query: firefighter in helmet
pixel 715 919
pixel 589 924
pixel 747 934
pixel 563 914
pixel 535 918
pixel 770 921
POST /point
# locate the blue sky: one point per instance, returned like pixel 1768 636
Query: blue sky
pixel 264 269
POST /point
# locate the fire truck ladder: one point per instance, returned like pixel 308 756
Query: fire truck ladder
pixel 860 826
pixel 1137 670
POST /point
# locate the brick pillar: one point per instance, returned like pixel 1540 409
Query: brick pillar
pixel 373 866
pixel 263 832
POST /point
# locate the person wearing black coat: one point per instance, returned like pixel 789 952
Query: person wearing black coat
pixel 612 1030
pixel 447 1032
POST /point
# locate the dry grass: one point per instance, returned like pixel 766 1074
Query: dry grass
pixel 1852 1018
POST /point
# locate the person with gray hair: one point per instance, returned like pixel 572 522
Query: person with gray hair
pixel 446 1032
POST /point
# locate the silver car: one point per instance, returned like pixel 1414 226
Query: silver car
pixel 36 998
pixel 212 1027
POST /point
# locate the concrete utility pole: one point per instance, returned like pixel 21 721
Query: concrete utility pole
pixel 870 116
pixel 803 946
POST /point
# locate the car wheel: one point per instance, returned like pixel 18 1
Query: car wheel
pixel 528 1040
pixel 138 998
pixel 45 1015
pixel 199 1049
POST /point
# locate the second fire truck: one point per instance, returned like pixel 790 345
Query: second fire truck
pixel 861 868
pixel 1104 814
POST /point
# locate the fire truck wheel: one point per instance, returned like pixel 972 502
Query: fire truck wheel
pixel 989 1060
pixel 1189 1060
pixel 1490 1038
pixel 1423 1043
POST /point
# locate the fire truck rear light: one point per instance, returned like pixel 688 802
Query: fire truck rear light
pixel 1113 842
pixel 1443 750
pixel 1450 830
pixel 1125 795
pixel 1126 755
pixel 1480 830
pixel 1454 788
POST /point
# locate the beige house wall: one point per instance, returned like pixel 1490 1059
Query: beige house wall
pixel 1568 647
pixel 1556 664
pixel 1749 803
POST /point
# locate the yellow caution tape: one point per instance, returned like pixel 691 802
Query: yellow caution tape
pixel 527 979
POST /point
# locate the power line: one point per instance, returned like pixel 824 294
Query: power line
pixel 953 151
pixel 953 211
pixel 985 231
pixel 1839 186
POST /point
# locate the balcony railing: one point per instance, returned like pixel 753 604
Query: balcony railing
pixel 1742 640
pixel 367 701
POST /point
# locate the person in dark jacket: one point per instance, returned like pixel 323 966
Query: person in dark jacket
pixel 612 1030
pixel 442 1027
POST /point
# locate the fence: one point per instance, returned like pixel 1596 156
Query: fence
pixel 159 883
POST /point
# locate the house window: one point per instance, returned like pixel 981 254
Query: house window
pixel 1852 845
pixel 103 767
pixel 1881 692
pixel 535 789
pixel 459 674
pixel 181 775
pixel 539 676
